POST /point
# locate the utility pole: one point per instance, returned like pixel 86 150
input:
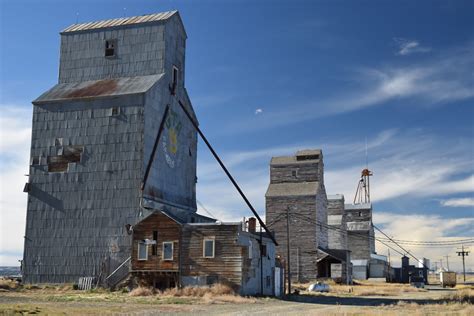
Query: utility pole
pixel 441 263
pixel 288 247
pixel 447 262
pixel 463 253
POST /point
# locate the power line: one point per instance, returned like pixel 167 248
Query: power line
pixel 409 253
pixel 205 209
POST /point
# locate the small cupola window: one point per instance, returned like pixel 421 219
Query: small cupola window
pixel 174 80
pixel 111 48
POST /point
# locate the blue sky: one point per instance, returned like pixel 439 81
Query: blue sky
pixel 270 77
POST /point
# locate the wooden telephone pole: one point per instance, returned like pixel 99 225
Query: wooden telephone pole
pixel 463 253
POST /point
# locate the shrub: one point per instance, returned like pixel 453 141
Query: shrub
pixel 141 291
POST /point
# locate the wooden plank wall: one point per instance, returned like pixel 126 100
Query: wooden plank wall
pixel 303 234
pixel 168 230
pixel 228 260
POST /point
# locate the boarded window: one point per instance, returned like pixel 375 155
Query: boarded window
pixel 142 251
pixel 155 238
pixel 168 250
pixel 111 48
pixel 208 248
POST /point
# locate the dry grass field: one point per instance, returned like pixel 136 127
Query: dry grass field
pixel 365 298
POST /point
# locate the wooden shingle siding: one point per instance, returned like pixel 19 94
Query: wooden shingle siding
pixel 307 172
pixel 308 210
pixel 228 259
pixel 303 234
pixel 168 230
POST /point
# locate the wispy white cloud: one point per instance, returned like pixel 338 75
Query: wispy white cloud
pixel 438 81
pixel 15 135
pixel 405 164
pixel 408 47
pixel 258 111
pixel 422 227
pixel 460 202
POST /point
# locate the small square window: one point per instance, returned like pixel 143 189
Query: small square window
pixel 168 250
pixel 58 142
pixel 263 250
pixel 111 48
pixel 142 251
pixel 294 173
pixel 208 248
pixel 114 111
pixel 35 160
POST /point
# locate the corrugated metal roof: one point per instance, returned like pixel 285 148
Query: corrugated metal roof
pixel 120 22
pixel 292 189
pixel 363 206
pixel 98 88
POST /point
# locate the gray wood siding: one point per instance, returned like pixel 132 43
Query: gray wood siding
pixel 303 234
pixel 305 172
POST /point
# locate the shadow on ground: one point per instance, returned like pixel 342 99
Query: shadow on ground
pixel 355 301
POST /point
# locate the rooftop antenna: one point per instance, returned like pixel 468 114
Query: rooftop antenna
pixel 363 186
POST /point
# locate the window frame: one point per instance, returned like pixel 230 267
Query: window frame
pixel 114 42
pixel 213 239
pixel 140 243
pixel 163 251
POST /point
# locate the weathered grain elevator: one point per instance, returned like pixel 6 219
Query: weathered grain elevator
pixel 360 229
pixel 297 196
pixel 92 140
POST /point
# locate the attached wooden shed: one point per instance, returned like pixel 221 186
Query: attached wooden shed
pixel 168 253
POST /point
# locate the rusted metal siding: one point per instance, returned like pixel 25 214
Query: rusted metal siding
pixel 168 231
pixel 229 257
pixel 98 88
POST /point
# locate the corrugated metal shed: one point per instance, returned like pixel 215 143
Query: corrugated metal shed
pixel 98 88
pixel 149 18
pixel 292 189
